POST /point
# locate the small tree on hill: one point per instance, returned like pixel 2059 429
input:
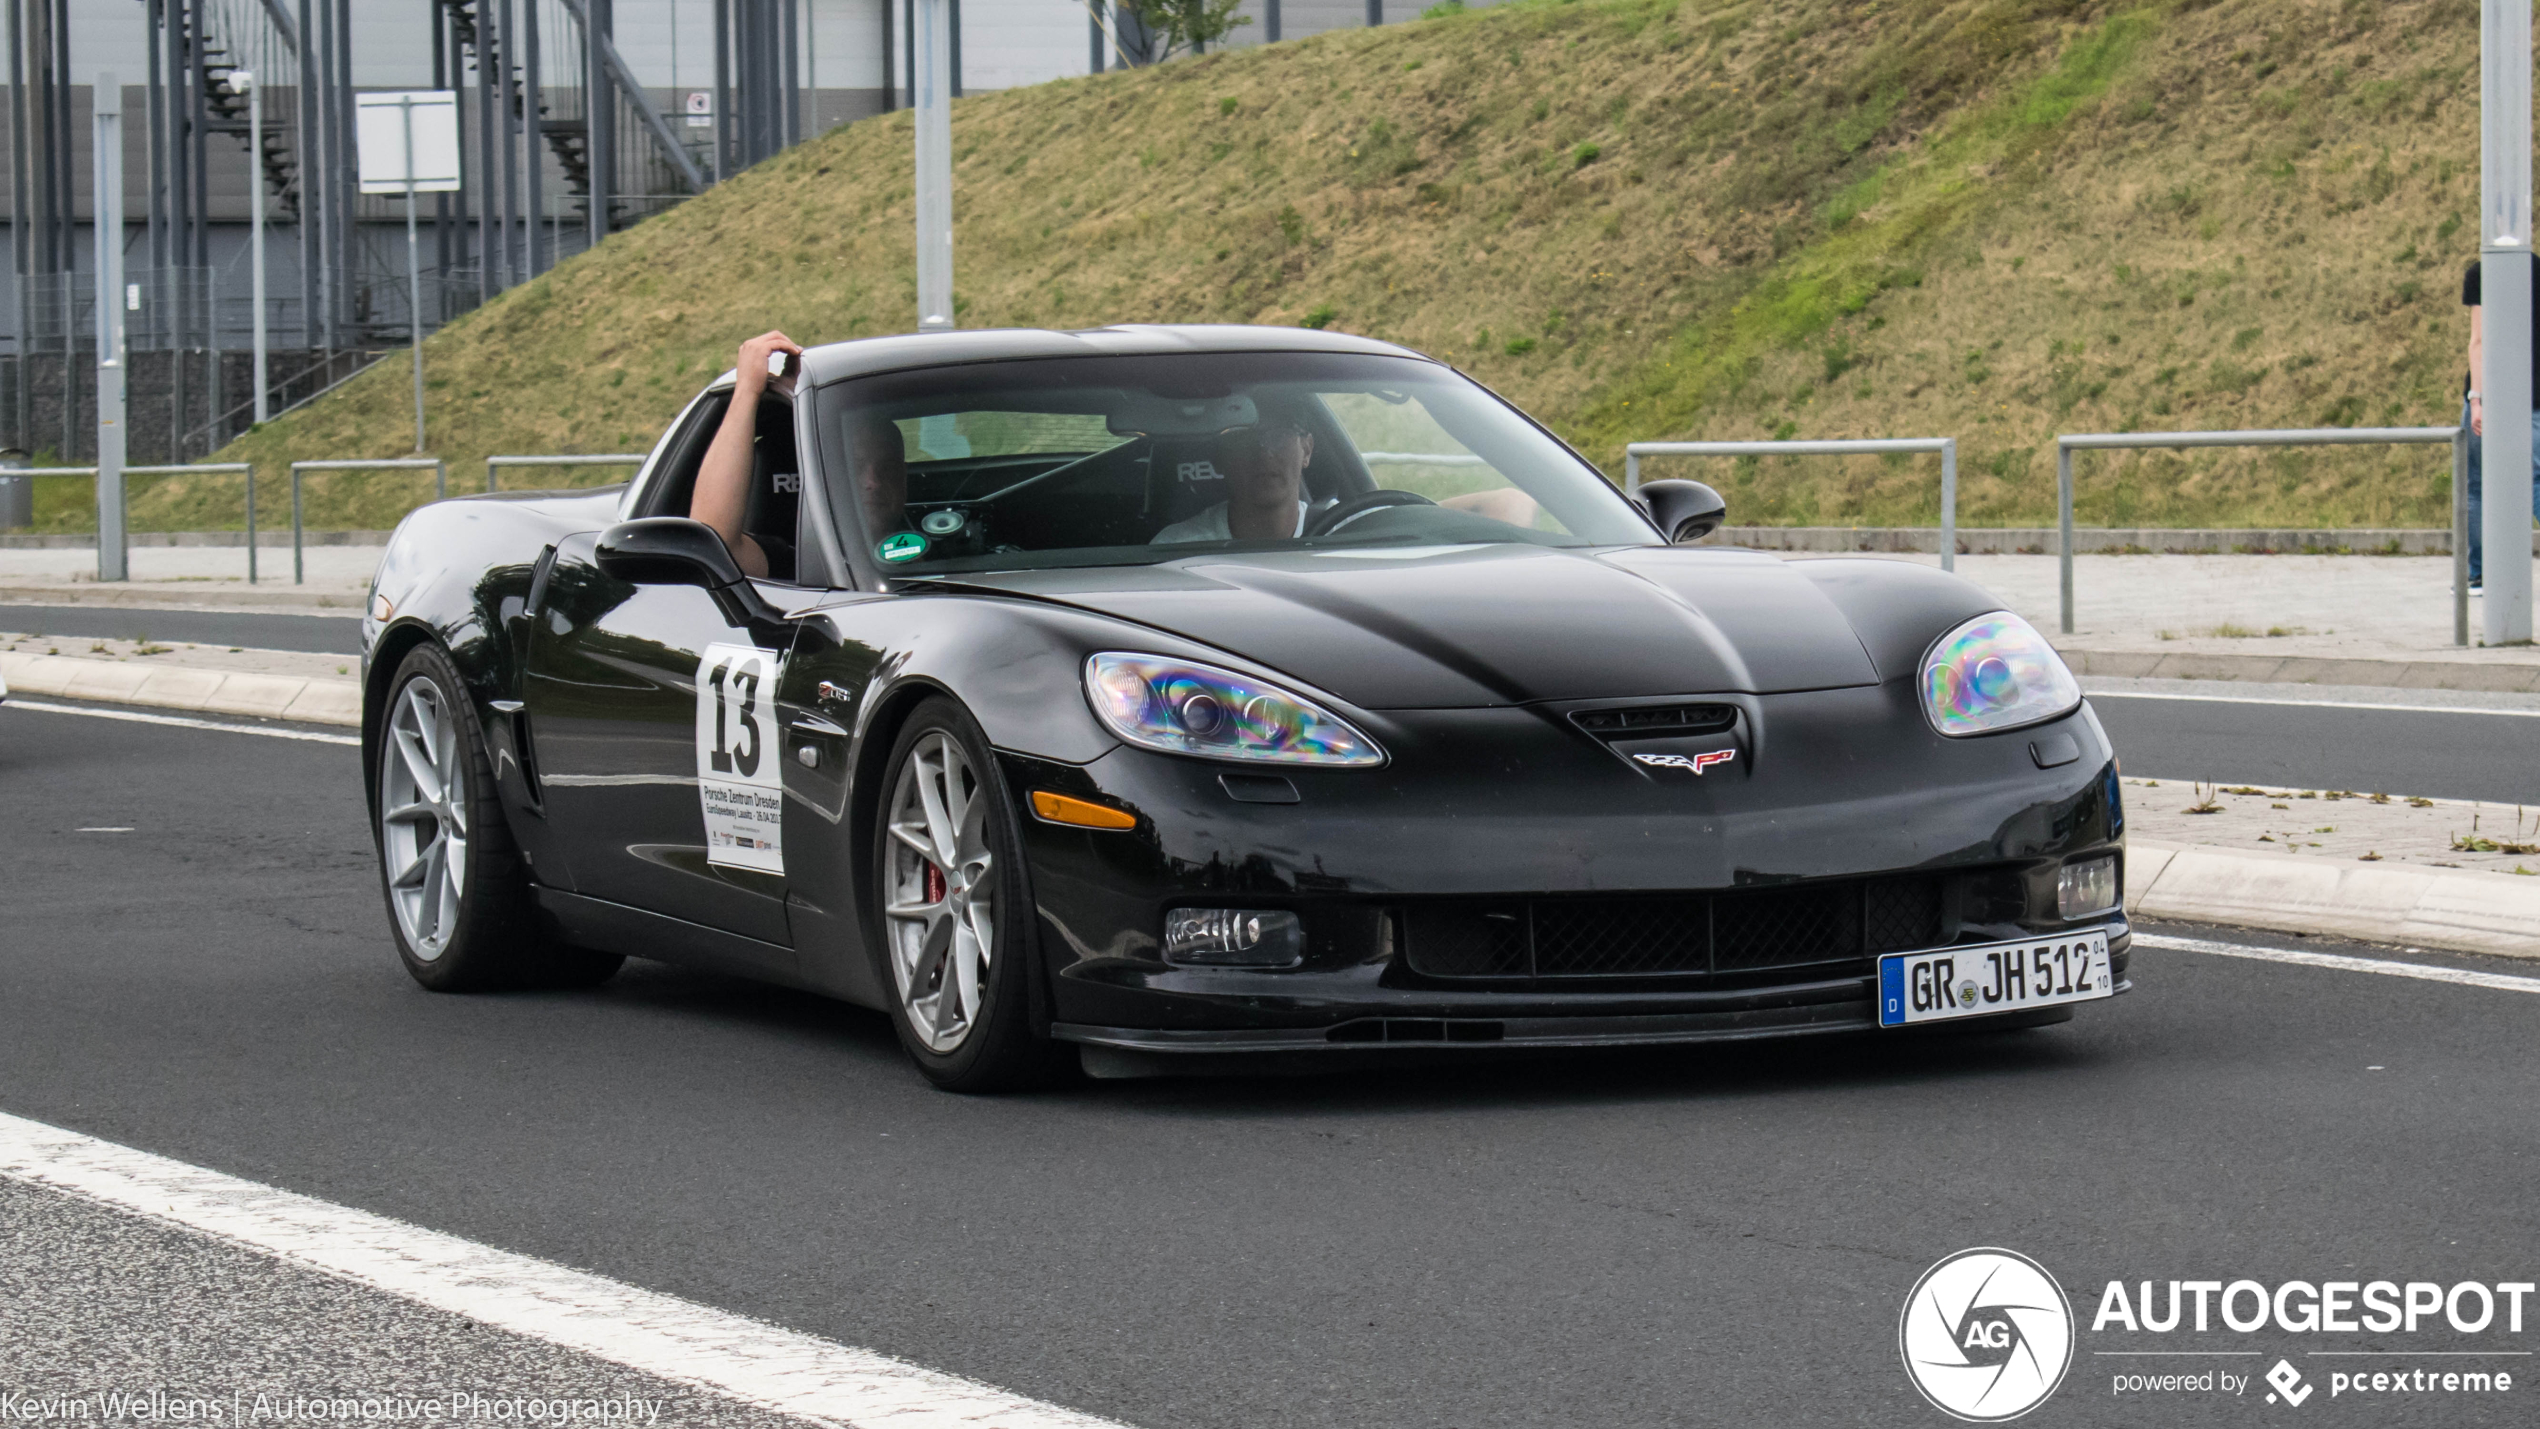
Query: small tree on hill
pixel 1150 31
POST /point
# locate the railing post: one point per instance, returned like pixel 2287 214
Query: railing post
pixel 2460 535
pixel 489 474
pixel 2064 522
pixel 298 571
pixel 1949 503
pixel 1631 471
pixel 251 520
pixel 440 478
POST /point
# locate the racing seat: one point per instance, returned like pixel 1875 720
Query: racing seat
pixel 1186 476
pixel 772 517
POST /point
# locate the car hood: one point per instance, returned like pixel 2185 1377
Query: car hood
pixel 1468 626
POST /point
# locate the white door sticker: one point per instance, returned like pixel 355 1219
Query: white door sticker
pixel 739 781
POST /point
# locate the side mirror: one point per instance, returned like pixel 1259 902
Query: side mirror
pixel 673 550
pixel 667 550
pixel 1686 511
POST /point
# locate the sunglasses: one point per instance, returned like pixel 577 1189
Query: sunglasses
pixel 1268 432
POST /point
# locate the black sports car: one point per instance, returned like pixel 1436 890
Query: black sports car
pixel 1179 690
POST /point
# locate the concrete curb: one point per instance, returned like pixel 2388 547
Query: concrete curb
pixel 207 596
pixel 2097 540
pixel 267 539
pixel 2495 676
pixel 176 687
pixel 2459 909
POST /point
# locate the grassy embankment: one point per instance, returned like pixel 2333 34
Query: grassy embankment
pixel 1995 219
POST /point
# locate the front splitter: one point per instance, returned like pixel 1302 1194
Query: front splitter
pixel 1433 1033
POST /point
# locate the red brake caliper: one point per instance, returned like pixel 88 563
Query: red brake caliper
pixel 934 883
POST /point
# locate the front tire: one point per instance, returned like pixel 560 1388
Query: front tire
pixel 954 911
pixel 458 891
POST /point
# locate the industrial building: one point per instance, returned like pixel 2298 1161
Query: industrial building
pixel 578 117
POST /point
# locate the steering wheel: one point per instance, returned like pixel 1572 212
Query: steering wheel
pixel 1333 518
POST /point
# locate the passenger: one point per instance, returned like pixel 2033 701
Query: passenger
pixel 1268 499
pixel 877 460
pixel 722 495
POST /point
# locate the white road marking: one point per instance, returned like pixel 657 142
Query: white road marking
pixel 179 720
pixel 2386 967
pixel 727 1354
pixel 2310 704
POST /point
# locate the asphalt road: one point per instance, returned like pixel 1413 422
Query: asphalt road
pixel 99 1302
pixel 322 634
pixel 2445 754
pixel 1720 1236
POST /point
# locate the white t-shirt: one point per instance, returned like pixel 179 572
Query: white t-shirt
pixel 1210 525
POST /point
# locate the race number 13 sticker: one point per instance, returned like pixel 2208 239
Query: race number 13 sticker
pixel 739 783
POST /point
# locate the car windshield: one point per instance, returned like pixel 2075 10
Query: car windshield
pixel 1083 461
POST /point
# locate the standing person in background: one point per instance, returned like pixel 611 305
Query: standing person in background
pixel 2474 417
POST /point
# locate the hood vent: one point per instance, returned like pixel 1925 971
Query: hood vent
pixel 1655 721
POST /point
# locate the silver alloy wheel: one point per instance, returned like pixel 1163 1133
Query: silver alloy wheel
pixel 423 817
pixel 939 892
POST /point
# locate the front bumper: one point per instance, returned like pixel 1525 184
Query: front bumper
pixel 1848 796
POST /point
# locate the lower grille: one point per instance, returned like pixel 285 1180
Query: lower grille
pixel 1814 926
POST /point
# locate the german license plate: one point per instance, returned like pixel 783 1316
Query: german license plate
pixel 1987 978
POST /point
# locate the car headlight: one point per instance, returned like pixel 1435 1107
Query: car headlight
pixel 1184 707
pixel 1995 673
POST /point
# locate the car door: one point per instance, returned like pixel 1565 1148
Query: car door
pixel 657 747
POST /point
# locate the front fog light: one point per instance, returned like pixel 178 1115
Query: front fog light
pixel 2087 887
pixel 1233 938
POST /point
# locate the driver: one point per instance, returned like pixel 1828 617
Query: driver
pixel 876 457
pixel 1267 500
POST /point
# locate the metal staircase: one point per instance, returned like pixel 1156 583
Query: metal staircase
pixel 568 139
pixel 275 158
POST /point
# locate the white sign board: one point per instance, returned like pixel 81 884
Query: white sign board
pixel 408 141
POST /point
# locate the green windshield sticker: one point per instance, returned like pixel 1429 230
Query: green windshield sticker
pixel 905 546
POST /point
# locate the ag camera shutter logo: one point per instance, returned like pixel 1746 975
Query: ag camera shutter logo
pixel 1986 1335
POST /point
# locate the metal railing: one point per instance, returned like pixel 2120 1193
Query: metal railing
pixel 1421 459
pixel 1946 446
pixel 440 489
pixel 494 463
pixel 122 519
pixel 2066 445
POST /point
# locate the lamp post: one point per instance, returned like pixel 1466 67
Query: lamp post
pixel 931 78
pixel 244 82
pixel 107 169
pixel 2504 256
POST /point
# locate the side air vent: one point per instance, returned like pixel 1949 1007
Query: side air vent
pixel 1642 721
